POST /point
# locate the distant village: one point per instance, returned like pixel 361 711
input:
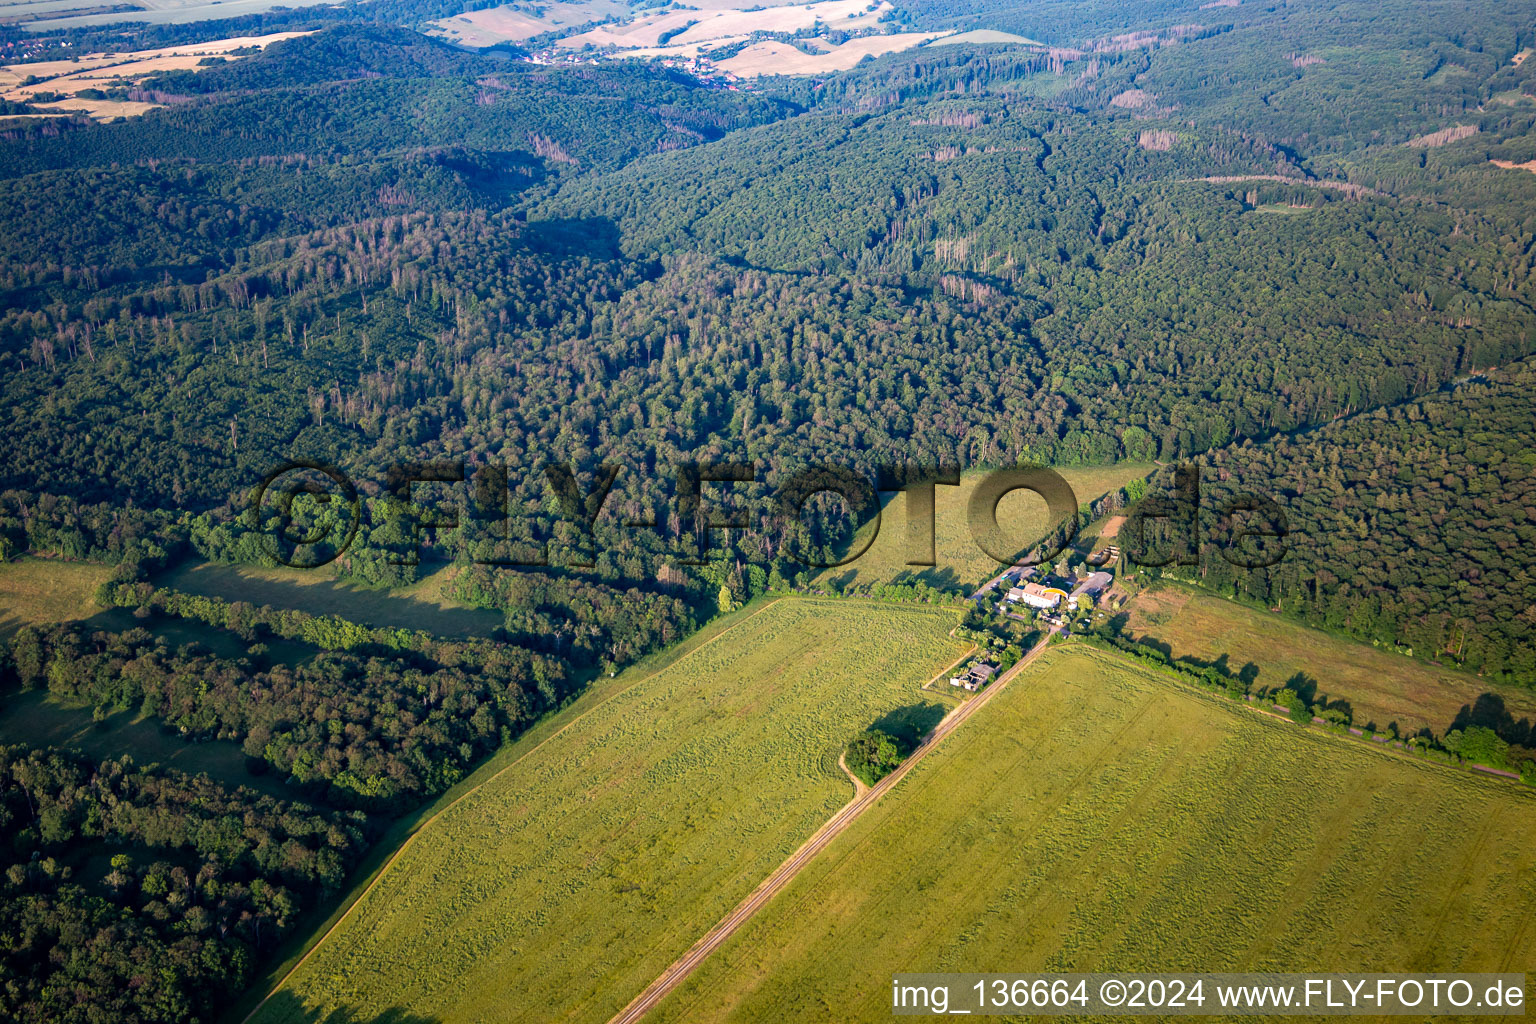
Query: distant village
pixel 697 66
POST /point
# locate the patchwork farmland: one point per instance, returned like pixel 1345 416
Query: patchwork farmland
pixel 91 73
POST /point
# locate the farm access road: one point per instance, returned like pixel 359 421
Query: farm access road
pixel 835 826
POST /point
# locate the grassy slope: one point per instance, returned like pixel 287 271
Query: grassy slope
pixel 1381 686
pixel 320 592
pixel 960 561
pixel 564 885
pixel 405 830
pixel 37 591
pixel 1101 816
pixel 40 719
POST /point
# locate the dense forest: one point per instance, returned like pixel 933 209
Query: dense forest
pixel 146 895
pixel 579 329
pixel 377 731
pixel 1409 526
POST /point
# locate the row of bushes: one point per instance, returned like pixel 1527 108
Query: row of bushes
pixel 1474 746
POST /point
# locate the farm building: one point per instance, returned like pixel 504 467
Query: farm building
pixel 975 677
pixel 1037 595
pixel 1105 557
pixel 1092 585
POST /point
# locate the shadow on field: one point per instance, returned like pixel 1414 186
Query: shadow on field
pixel 286 1008
pixel 1490 713
pixel 841 580
pixel 320 593
pixel 938 579
pixel 910 724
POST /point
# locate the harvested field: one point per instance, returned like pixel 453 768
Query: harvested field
pixel 1099 814
pixel 783 59
pixel 693 25
pixel 560 888
pixel 516 22
pixel 986 37
pixel 113 70
pixel 1380 686
pixel 47 15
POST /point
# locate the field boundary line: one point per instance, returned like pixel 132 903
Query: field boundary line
pixel 781 876
pixel 949 668
pixel 1312 731
pixel 423 826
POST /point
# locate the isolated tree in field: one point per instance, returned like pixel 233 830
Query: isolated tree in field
pixel 873 755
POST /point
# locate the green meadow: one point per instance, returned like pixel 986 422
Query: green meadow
pixel 599 851
pixel 1021 515
pixel 42 591
pixel 1381 686
pixel 423 605
pixel 1097 816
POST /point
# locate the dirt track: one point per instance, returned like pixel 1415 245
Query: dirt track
pixel 674 975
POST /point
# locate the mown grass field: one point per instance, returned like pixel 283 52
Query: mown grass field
pixel 1021 514
pixel 1097 817
pixel 424 605
pixel 565 883
pixel 44 591
pixel 1381 686
pixel 40 591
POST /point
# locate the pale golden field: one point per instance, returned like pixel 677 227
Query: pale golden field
pixel 988 37
pixel 1381 686
pixel 684 49
pixel 772 58
pixel 515 22
pixel 698 26
pixel 110 70
pixel 727 20
pixel 46 15
pixel 1022 514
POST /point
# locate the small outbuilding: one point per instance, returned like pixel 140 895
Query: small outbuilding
pixel 1092 585
pixel 974 678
